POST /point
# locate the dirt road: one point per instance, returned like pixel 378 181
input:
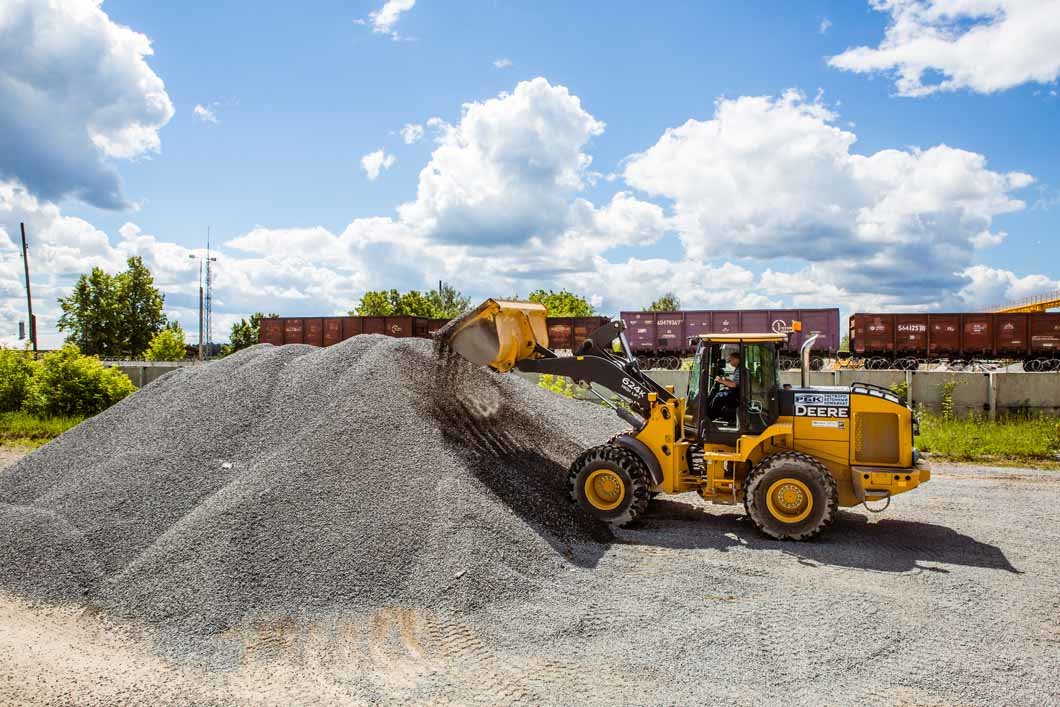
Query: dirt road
pixel 948 598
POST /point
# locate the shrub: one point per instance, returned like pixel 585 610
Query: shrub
pixel 167 345
pixel 16 373
pixel 557 384
pixel 68 384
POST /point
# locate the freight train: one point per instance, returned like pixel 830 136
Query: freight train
pixel 662 339
pixel 905 340
pixel 563 332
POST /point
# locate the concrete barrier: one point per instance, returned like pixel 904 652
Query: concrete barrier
pixel 143 372
pixel 988 394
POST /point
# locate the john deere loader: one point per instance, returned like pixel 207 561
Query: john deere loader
pixel 791 455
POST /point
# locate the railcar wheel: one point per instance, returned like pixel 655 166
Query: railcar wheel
pixel 611 483
pixel 791 496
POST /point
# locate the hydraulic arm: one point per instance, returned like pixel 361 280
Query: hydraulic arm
pixel 506 335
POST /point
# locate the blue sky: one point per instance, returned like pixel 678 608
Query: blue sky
pixel 299 94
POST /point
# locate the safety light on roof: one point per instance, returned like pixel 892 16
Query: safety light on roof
pixel 796 326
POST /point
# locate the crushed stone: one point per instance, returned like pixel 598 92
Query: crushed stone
pixel 377 472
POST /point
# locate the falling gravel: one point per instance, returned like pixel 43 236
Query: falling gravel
pixel 378 472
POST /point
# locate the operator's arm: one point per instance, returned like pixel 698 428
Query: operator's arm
pixel 727 382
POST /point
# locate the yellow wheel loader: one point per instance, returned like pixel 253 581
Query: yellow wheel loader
pixel 792 455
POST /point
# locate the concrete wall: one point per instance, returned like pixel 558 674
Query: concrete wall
pixel 983 393
pixel 143 372
pixel 987 394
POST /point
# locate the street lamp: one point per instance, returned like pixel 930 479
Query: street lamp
pixel 194 256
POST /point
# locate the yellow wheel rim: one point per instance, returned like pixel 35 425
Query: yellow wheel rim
pixel 789 500
pixel 604 489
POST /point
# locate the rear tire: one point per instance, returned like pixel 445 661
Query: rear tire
pixel 791 496
pixel 610 483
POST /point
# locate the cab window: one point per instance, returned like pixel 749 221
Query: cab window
pixel 760 365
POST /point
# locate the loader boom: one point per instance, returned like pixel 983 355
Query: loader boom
pixel 594 362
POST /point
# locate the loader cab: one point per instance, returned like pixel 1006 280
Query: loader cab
pixel 721 415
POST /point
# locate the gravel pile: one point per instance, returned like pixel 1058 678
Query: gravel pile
pixel 378 472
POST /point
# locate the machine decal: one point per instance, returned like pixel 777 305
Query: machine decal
pixel 822 405
pixel 833 424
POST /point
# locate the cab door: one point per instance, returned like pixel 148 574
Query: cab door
pixel 715 423
pixel 760 387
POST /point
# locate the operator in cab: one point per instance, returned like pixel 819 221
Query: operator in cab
pixel 728 395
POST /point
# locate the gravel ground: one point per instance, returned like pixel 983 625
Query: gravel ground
pixel 494 596
pixel 369 474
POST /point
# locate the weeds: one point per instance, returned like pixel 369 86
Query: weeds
pixel 558 384
pixel 1014 438
pixel 23 429
pixel 946 403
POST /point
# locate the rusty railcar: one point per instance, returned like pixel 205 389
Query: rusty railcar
pixel 906 340
pixel 663 338
pixel 563 332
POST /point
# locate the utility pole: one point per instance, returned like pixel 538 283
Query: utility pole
pixel 29 295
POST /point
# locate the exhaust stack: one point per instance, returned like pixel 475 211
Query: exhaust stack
pixel 804 356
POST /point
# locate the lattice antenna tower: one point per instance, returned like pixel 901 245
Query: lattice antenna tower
pixel 209 295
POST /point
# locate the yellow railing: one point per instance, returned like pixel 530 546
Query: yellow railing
pixel 1038 303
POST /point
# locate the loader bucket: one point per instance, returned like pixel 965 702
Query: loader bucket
pixel 497 333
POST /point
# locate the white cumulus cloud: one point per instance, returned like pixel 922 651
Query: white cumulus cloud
pixel 75 90
pixel 502 63
pixel 980 45
pixel 507 171
pixel 412 133
pixel 775 177
pixel 374 163
pixel 385 19
pixel 204 114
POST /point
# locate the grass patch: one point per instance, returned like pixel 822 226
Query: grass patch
pixel 1022 439
pixel 25 430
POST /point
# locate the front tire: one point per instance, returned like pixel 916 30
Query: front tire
pixel 610 483
pixel 791 496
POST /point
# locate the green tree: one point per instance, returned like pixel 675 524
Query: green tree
pixel 562 303
pixel 113 315
pixel 391 303
pixel 377 303
pixel 245 333
pixel 844 343
pixel 669 302
pixel 141 306
pixel 92 315
pixel 168 345
pixel 66 383
pixel 448 302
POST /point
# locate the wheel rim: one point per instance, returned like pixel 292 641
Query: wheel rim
pixel 604 489
pixel 789 500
